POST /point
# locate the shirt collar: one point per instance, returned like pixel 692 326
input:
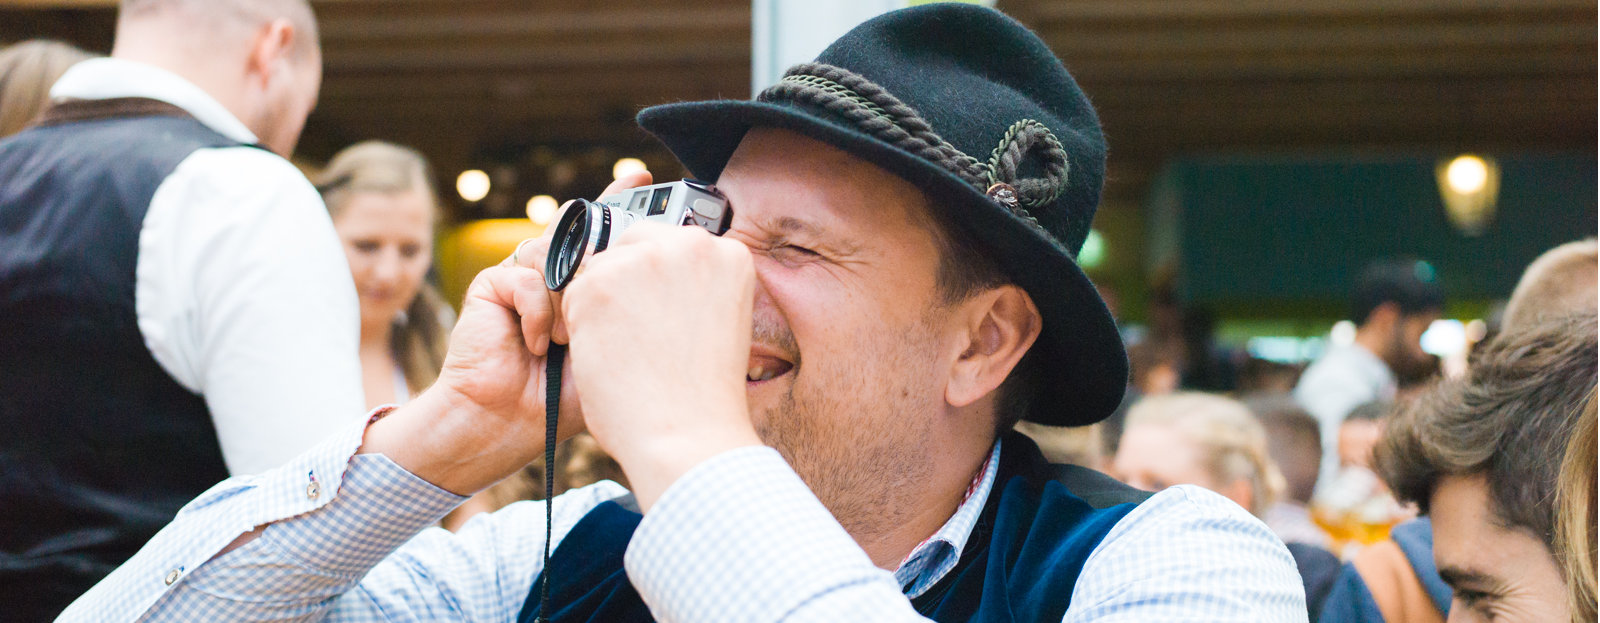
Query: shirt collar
pixel 935 556
pixel 107 78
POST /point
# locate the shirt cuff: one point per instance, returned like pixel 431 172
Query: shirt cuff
pixel 378 508
pixel 742 523
pixel 357 515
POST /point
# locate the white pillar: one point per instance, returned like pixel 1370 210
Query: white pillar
pixel 788 32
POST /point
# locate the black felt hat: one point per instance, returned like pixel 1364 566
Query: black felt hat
pixel 975 110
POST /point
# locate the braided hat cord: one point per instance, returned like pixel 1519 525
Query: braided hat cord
pixel 880 114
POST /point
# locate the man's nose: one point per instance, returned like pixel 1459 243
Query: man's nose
pixel 763 298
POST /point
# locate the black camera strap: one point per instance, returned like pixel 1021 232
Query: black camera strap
pixel 554 357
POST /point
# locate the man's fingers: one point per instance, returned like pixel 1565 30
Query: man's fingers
pixel 530 253
pixel 631 180
pixel 520 291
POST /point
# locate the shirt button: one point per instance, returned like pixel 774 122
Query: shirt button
pixel 313 490
pixel 172 576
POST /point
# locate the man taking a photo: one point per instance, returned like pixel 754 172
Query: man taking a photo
pixel 814 409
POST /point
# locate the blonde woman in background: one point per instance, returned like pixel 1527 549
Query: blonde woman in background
pixel 1192 438
pixel 27 71
pixel 1575 515
pixel 384 207
pixel 1198 439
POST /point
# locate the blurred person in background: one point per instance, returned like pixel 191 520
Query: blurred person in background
pixel 1575 516
pixel 1560 281
pixel 1480 455
pixel 1191 438
pixel 176 305
pixel 1355 506
pixel 1294 441
pixel 1360 432
pixel 1392 304
pixel 384 207
pixel 1207 366
pixel 1214 442
pixel 1397 577
pixel 1262 377
pixel 1392 580
pixel 27 69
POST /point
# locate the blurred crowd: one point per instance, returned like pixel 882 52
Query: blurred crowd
pixel 1403 493
pixel 1340 460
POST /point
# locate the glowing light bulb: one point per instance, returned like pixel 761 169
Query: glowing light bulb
pixel 626 166
pixel 473 185
pixel 1467 174
pixel 541 208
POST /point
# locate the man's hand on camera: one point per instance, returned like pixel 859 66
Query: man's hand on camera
pixel 484 418
pixel 660 328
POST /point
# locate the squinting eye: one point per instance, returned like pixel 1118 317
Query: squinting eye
pixel 365 246
pixel 410 251
pixel 802 251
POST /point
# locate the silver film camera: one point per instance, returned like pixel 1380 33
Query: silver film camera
pixel 591 226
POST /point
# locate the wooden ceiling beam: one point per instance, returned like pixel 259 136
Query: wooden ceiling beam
pixel 707 81
pixel 1150 63
pixel 1311 10
pixel 534 23
pixel 1362 64
pixel 1397 39
pixel 584 55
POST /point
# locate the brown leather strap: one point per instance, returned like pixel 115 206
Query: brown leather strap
pixel 76 110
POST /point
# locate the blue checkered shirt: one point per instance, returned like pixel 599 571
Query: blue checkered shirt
pixel 737 538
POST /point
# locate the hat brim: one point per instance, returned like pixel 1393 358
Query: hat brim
pixel 1084 365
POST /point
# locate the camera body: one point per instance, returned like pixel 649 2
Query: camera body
pixel 591 226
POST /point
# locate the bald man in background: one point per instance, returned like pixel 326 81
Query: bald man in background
pixel 1560 281
pixel 177 305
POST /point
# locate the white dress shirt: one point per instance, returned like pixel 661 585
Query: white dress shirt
pixel 242 290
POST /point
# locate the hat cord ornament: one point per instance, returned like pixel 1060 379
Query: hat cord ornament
pixel 879 113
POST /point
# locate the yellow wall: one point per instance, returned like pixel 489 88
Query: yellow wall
pixel 467 249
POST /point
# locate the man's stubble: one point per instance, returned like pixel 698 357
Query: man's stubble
pixel 857 436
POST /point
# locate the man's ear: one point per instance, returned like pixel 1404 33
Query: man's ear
pixel 1001 324
pixel 273 44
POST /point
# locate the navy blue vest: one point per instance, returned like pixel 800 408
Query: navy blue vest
pixel 99 446
pixel 1038 527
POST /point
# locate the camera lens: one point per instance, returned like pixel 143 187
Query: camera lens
pixel 579 224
